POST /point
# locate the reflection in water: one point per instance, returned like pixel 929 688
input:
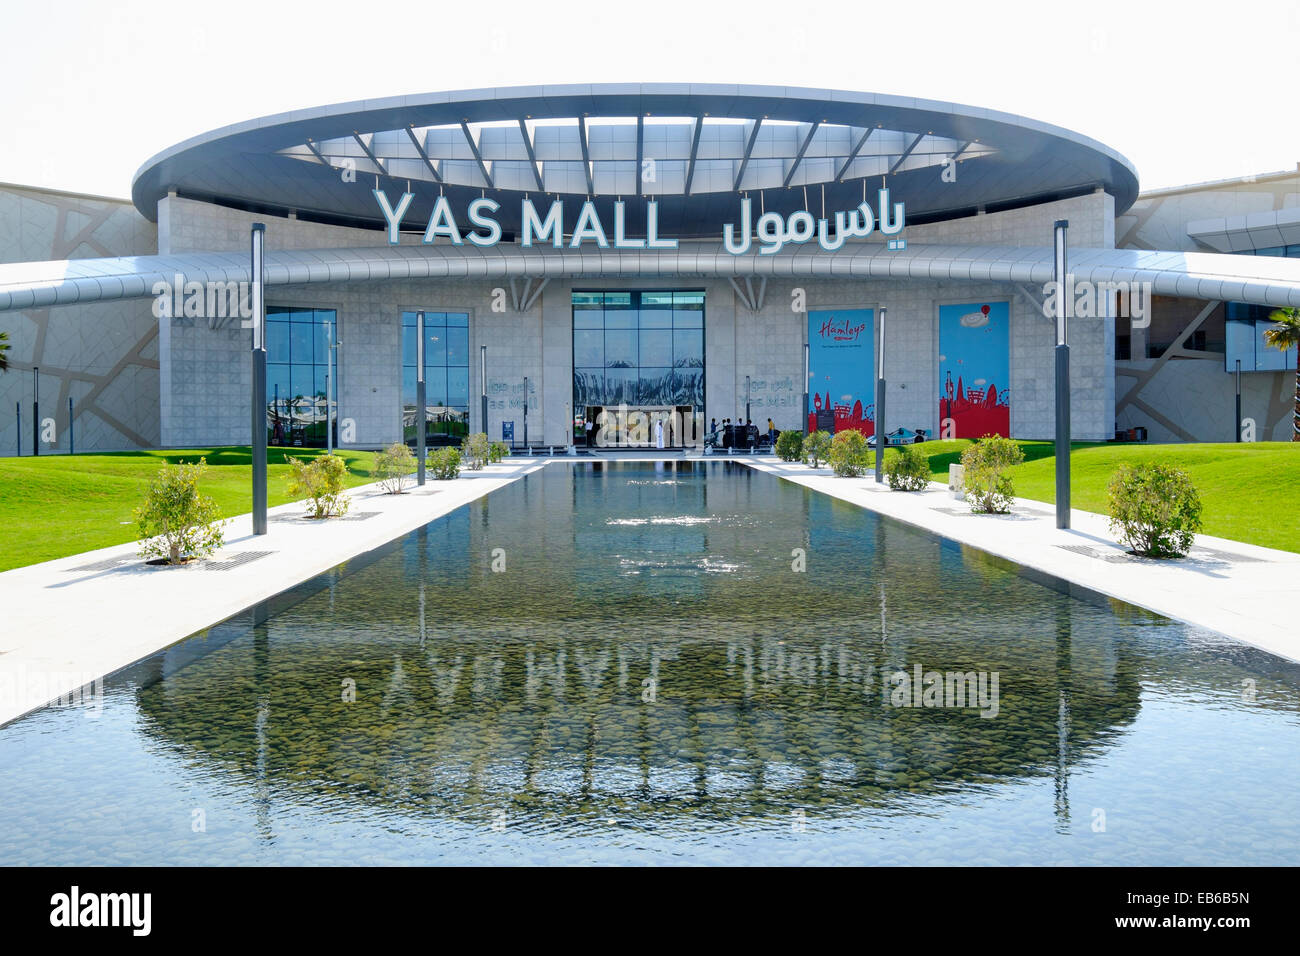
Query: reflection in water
pixel 650 676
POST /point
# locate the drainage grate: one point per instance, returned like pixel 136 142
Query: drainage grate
pixel 235 560
pixel 350 516
pixel 108 564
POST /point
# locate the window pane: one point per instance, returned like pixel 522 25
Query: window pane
pixel 277 341
pixel 625 319
pixel 408 345
pixel 458 346
pixel 458 385
pixel 620 348
pixel 277 382
pixel 435 347
pixel 321 351
pixel 656 319
pixel 588 348
pixel 656 386
pixel 620 386
pixel 657 347
pixel 588 386
pixel 302 381
pixel 688 348
pixel 458 320
pixel 685 319
pixel 408 320
pixel 435 386
pixel 408 385
pixel 301 346
pixel 588 319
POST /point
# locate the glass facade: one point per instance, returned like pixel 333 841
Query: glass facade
pixel 297 360
pixel 638 349
pixel 1245 325
pixel 446 376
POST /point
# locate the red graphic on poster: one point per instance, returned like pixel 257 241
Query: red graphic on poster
pixel 975 412
pixel 841 417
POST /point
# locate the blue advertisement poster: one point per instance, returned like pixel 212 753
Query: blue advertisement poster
pixel 842 370
pixel 974 370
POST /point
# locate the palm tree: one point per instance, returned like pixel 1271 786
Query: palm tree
pixel 4 348
pixel 1285 335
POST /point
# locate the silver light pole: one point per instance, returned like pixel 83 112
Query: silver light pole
pixel 329 388
pixel 258 304
pixel 880 400
pixel 36 410
pixel 421 409
pixel 1238 399
pixel 525 414
pixel 806 373
pixel 1062 442
pixel 482 385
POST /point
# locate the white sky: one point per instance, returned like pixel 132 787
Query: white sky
pixel 1188 91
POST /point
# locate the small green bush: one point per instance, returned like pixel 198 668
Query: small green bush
pixel 849 454
pixel 475 449
pixel 444 463
pixel 988 486
pixel 393 466
pixel 909 470
pixel 1154 508
pixel 175 522
pixel 320 481
pixel 789 446
pixel 816 447
pixel 498 451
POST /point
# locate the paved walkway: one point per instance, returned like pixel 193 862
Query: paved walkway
pixel 69 622
pixel 1241 590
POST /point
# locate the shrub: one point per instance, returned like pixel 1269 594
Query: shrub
pixel 988 486
pixel 444 463
pixel 498 451
pixel 789 446
pixel 393 466
pixel 848 454
pixel 175 522
pixel 476 449
pixel 1155 509
pixel 815 448
pixel 909 470
pixel 320 481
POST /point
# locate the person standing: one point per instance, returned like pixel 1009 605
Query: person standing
pixel 771 432
pixel 659 433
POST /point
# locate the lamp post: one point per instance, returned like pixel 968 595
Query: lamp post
pixel 880 400
pixel 525 414
pixel 72 438
pixel 36 410
pixel 1062 378
pixel 482 384
pixel 258 418
pixel 421 409
pixel 806 373
pixel 1238 400
pixel 329 387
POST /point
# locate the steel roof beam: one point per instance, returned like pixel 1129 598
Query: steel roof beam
pixel 853 154
pixel 370 153
pixel 798 157
pixel 586 154
pixel 483 167
pixel 695 148
pixel 749 148
pixel 419 148
pixel 906 153
pixel 532 155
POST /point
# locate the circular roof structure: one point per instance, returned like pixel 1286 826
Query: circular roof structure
pixel 695 149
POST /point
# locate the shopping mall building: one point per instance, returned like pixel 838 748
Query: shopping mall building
pixel 686 253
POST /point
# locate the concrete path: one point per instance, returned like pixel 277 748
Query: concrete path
pixel 1240 590
pixel 67 623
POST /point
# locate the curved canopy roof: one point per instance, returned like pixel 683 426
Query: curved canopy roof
pixel 1258 279
pixel 695 149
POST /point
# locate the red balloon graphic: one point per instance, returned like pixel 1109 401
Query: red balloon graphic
pixel 984 309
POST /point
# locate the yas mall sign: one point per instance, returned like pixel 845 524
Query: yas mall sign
pixel 772 231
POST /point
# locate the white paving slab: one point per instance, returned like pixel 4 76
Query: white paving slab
pixel 69 622
pixel 1239 590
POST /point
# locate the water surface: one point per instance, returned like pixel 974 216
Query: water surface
pixel 623 663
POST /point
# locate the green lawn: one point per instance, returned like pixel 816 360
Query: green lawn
pixel 1249 492
pixel 57 505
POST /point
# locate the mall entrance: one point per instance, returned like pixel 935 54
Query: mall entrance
pixel 642 426
pixel 638 368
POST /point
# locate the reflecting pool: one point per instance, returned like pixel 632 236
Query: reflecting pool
pixel 670 662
